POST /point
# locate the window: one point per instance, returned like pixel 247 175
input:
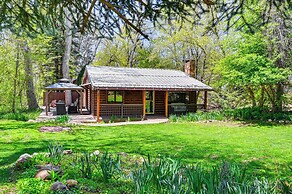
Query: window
pixel 114 96
pixel 178 97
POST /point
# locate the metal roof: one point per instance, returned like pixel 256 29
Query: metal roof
pixel 142 78
pixel 63 86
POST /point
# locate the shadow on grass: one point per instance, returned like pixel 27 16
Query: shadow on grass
pixel 7 163
pixel 265 123
pixel 11 125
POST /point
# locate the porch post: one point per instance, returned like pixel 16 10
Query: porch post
pixel 98 106
pixel 46 97
pixel 205 100
pixel 196 101
pixel 166 103
pixel 47 101
pixel 81 101
pixel 144 102
pixel 86 98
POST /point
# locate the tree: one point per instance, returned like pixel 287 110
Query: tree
pixel 279 38
pixel 106 16
pixel 17 63
pixel 249 67
pixel 67 51
pixel 30 89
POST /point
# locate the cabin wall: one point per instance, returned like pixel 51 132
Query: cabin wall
pixel 132 103
pixel 133 97
pixel 193 101
pixel 130 98
pixel 159 107
pixel 94 100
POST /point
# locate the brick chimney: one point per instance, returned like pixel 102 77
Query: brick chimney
pixel 190 68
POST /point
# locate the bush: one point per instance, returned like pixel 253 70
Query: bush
pixel 32 185
pixel 55 153
pixel 243 114
pixel 97 174
pixel 21 115
pixel 109 166
pixel 62 119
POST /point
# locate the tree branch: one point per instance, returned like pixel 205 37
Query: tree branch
pixel 85 21
pixel 111 7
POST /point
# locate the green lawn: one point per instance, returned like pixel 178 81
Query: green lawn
pixel 266 150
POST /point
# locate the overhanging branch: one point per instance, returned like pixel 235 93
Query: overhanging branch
pixel 112 7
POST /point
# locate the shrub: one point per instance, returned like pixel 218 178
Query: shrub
pixel 32 185
pixel 109 166
pixel 20 115
pixel 169 176
pixel 243 114
pixel 86 165
pixel 62 119
pixel 55 152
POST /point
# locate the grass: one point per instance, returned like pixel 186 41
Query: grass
pixel 266 150
pixel 20 115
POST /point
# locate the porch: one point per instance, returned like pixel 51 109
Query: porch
pixel 140 104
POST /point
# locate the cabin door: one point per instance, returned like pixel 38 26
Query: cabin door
pixel 149 102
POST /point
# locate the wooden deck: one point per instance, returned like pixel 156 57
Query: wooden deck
pixel 88 119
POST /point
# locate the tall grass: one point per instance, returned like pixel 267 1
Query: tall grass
pixel 20 115
pixel 55 152
pixel 169 176
pixel 243 114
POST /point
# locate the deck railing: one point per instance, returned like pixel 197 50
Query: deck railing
pixel 181 108
pixel 121 110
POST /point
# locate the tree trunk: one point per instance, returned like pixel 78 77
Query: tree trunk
pixel 67 52
pixel 15 79
pixel 262 97
pixel 30 90
pixel 279 98
pixel 252 96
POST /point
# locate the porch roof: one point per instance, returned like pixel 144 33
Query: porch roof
pixel 105 77
pixel 63 86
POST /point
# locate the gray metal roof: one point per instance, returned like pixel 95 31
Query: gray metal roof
pixel 142 78
pixel 63 86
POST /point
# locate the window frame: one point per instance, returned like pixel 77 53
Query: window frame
pixel 115 97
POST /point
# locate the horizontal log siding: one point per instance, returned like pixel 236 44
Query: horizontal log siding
pixel 159 103
pixel 103 96
pixel 133 97
pixel 94 99
pixel 192 96
pixel 93 102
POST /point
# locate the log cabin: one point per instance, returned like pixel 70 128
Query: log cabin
pixel 138 92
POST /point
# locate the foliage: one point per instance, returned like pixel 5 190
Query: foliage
pixel 169 176
pixel 13 85
pixel 260 114
pixel 55 152
pixel 198 116
pixel 86 164
pixel 20 115
pixel 109 166
pixel 158 175
pixel 249 69
pixel 62 119
pixel 31 185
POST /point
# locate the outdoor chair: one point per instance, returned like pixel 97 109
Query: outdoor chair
pixel 61 108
